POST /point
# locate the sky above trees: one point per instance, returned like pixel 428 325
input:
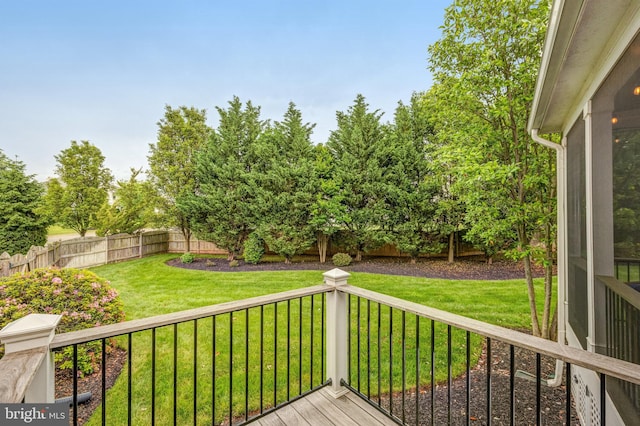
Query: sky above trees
pixel 103 72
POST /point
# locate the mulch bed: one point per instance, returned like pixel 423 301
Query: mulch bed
pixel 447 411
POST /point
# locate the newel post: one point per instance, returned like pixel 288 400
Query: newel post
pixel 337 320
pixel 31 332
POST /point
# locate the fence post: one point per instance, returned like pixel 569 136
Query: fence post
pixel 337 321
pixel 5 264
pixel 30 332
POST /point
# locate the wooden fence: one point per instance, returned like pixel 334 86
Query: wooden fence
pixel 93 251
pixel 87 252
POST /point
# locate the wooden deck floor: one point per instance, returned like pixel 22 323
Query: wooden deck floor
pixel 320 408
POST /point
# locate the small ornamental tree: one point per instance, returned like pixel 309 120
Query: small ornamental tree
pixel 82 298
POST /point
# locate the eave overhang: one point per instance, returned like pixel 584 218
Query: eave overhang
pixel 584 39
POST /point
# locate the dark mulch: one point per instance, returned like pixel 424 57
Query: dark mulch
pixel 475 268
pixel 116 359
pixel 471 268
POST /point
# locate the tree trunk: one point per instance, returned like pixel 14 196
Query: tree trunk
pixel 323 242
pixel 548 286
pixel 535 323
pixel 358 255
pixel 451 247
pixel 413 260
pixel 186 233
pixel 287 261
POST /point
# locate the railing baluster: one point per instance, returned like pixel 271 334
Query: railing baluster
pixel 368 349
pixel 567 402
pixel 512 380
pixel 213 369
pixel 246 365
pixel 300 347
pixel 390 360
pixel 468 379
pixel 275 354
pixel 230 367
pixel 261 358
pixel 195 372
pixel 404 364
pixel 288 349
pixel 75 384
pixel 175 374
pixel 489 420
pixel 104 381
pixel 358 341
pixel 538 388
pixel 417 370
pixel 379 352
pixel 449 374
pixel 130 374
pixel 349 352
pixel 433 372
pixel 153 376
pixel 603 399
pixel 311 354
pixel 322 334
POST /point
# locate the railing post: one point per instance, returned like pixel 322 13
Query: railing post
pixel 337 320
pixel 30 332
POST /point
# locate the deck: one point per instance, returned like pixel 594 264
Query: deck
pixel 320 408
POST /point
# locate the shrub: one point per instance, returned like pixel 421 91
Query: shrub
pixel 341 259
pixel 253 248
pixel 234 263
pixel 187 258
pixel 210 263
pixel 82 298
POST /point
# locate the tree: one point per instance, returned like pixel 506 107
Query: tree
pixel 327 204
pixel 356 147
pixel 82 186
pixel 288 186
pixel 225 207
pixel 182 133
pixel 132 208
pixel 485 68
pixel 413 192
pixel 22 223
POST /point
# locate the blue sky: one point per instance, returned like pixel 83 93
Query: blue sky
pixel 103 71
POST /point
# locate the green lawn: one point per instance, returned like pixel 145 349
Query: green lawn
pixel 59 230
pixel 149 287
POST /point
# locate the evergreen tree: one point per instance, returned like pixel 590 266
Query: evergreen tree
pixel 288 186
pixel 22 223
pixel 182 133
pixel 225 207
pixel 356 146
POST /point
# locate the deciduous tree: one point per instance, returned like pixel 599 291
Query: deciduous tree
pixel 82 186
pixel 485 67
pixel 132 208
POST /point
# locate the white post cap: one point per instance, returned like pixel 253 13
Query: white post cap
pixel 32 331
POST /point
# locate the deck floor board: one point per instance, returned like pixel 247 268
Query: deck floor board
pixel 322 409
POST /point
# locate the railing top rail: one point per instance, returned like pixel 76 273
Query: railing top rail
pixel 600 363
pixel 112 330
pixel 18 371
pixel 623 290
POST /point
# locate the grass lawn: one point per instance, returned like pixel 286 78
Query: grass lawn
pixel 59 230
pixel 149 287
